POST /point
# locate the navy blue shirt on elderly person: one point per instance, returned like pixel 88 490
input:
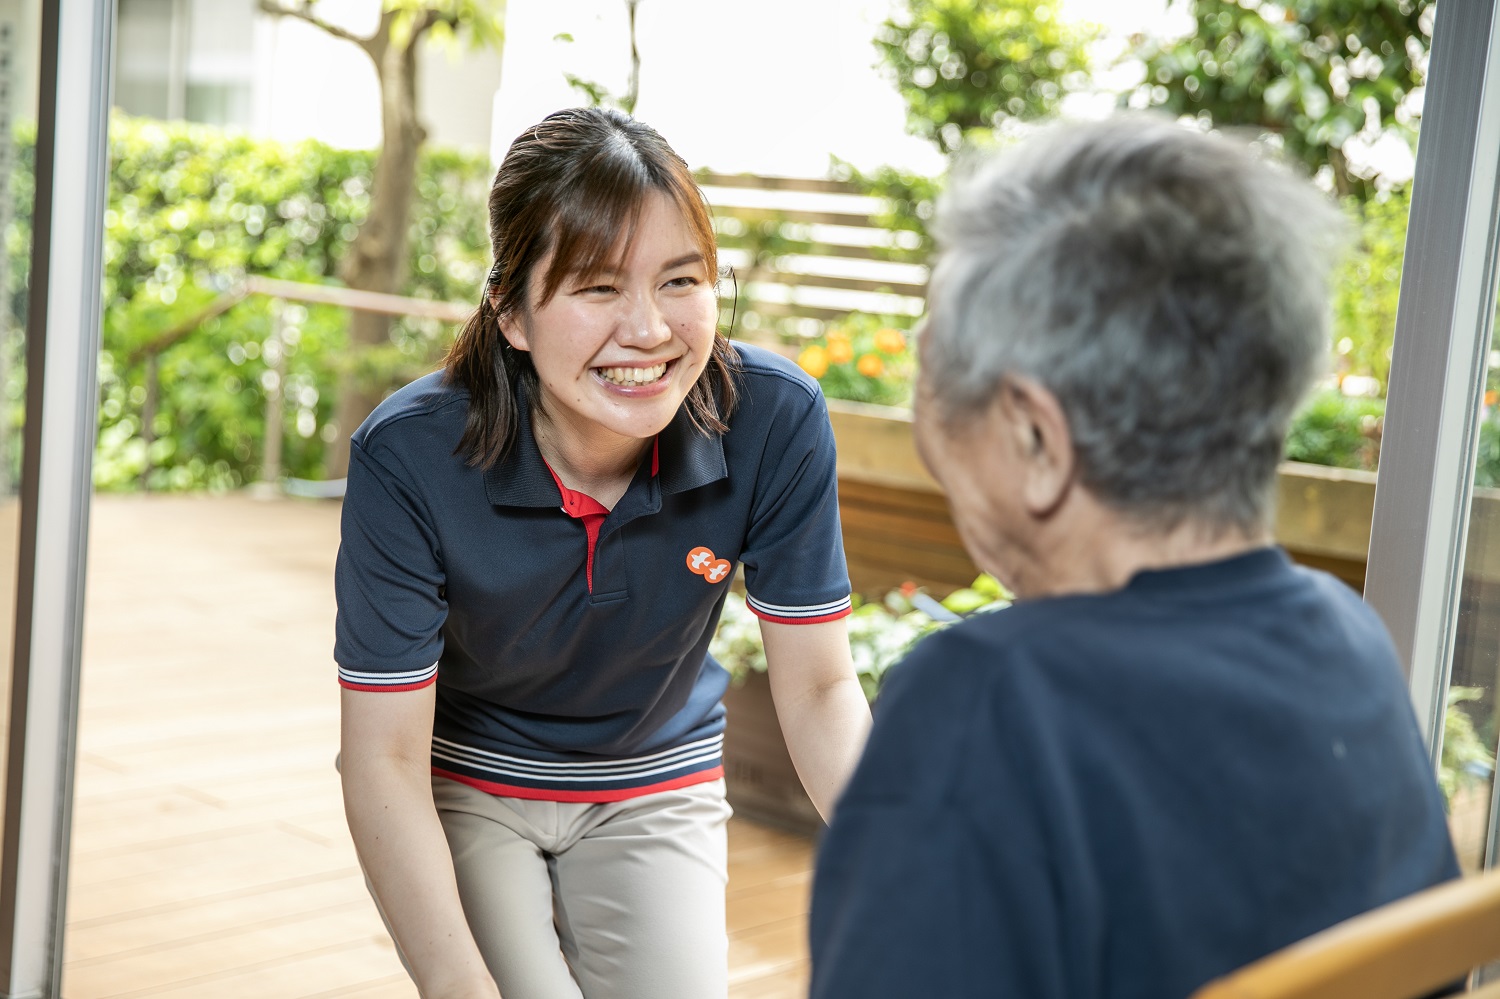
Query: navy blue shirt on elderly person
pixel 1123 796
pixel 569 643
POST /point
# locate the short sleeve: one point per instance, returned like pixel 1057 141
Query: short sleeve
pixel 389 584
pixel 795 571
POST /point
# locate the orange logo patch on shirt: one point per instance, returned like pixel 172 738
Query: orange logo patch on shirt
pixel 705 563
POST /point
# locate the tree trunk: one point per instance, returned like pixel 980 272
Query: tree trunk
pixel 377 258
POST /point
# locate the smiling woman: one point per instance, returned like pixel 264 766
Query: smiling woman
pixel 615 351
pixel 537 544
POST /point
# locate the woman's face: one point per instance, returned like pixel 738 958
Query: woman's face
pixel 616 352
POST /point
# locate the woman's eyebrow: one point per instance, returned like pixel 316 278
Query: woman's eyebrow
pixel 683 261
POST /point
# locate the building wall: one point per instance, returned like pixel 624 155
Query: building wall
pixel 225 63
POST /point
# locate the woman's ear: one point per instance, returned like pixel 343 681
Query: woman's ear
pixel 1043 441
pixel 514 331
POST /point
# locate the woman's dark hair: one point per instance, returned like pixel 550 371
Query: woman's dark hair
pixel 573 186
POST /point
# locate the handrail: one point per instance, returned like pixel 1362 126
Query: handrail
pixel 298 291
pixel 279 290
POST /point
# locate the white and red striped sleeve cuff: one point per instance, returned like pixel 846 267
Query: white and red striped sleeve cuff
pixel 811 614
pixel 387 682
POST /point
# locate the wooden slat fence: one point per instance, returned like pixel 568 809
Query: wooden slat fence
pixel 806 253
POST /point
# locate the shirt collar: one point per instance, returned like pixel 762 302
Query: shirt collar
pixel 688 459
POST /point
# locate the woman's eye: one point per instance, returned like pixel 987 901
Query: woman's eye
pixel 597 289
pixel 687 281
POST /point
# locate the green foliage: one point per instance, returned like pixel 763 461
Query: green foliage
pixel 1366 286
pixel 881 631
pixel 965 67
pixel 1465 756
pixel 1343 432
pixel 1334 429
pixel 193 210
pixel 1307 71
pixel 480 23
pixel 1487 463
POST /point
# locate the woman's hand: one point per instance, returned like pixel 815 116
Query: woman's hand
pixel 385 761
pixel 819 702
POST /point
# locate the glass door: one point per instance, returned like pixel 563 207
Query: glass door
pixel 1434 566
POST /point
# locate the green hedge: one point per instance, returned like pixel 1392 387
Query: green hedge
pixel 192 210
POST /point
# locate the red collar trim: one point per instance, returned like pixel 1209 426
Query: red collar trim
pixel 577 504
pixel 574 503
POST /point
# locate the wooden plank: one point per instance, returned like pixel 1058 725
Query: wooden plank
pixel 397 986
pixel 798 279
pixel 214 918
pixel 789 311
pixel 797 216
pixel 877 565
pixel 848 251
pixel 746 181
pixel 768 950
pixel 880 522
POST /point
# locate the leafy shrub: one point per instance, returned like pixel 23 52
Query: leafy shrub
pixel 966 67
pixel 1366 284
pixel 880 632
pixel 191 211
pixel 1334 429
pixel 1466 759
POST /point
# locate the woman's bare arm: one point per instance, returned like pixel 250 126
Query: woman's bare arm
pixel 819 702
pixel 385 760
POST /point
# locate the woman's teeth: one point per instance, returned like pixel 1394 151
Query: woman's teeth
pixel 633 376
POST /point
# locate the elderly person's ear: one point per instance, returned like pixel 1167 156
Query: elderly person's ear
pixel 1037 433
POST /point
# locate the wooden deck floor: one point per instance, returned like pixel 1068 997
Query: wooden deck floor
pixel 210 857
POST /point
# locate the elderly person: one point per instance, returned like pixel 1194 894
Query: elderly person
pixel 1178 751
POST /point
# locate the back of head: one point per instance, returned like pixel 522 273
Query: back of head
pixel 1167 286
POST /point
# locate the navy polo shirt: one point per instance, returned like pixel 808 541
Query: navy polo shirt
pixel 1124 795
pixel 569 644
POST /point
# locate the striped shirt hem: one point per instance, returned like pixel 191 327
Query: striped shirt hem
pixel 606 780
pixel 409 680
pixel 810 614
pixel 574 795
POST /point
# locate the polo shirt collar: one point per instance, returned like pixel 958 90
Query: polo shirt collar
pixel 688 459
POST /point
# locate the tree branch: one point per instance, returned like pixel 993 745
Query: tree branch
pixel 428 19
pixel 303 12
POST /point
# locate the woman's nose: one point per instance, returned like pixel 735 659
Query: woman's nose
pixel 643 322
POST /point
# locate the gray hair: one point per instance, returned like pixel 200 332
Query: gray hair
pixel 1167 286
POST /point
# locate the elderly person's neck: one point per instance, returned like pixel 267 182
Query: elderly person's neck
pixel 1088 547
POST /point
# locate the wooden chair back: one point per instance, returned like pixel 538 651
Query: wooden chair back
pixel 1403 950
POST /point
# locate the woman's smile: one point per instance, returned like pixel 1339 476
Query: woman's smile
pixel 635 379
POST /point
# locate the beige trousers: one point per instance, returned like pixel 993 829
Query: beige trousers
pixel 623 900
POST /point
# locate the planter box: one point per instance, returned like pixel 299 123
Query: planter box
pixel 758 774
pixel 897 527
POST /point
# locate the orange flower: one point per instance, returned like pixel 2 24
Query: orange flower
pixel 1490 397
pixel 889 341
pixel 813 360
pixel 871 366
pixel 840 352
pixel 837 334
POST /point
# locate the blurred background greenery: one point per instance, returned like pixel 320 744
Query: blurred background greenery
pixel 194 209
